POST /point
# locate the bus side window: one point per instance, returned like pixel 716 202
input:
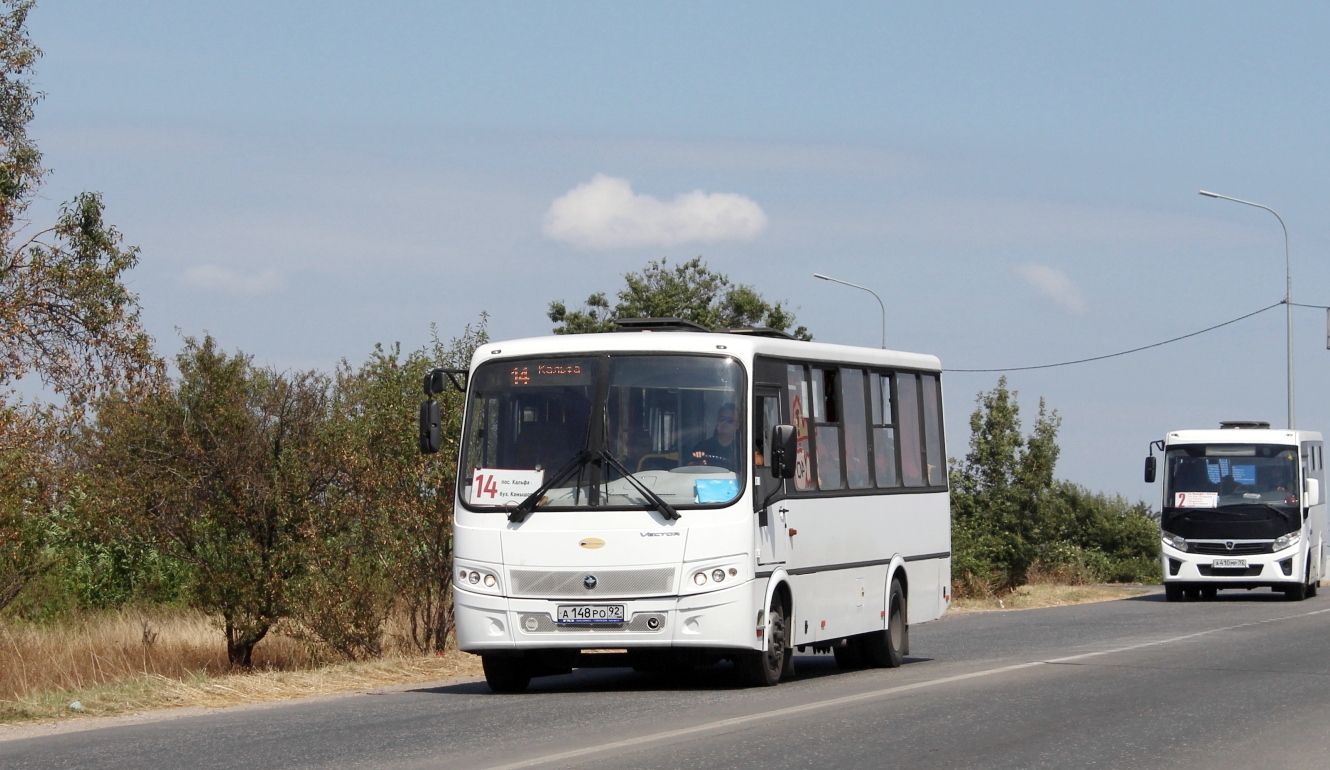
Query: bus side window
pixel 907 418
pixel 937 466
pixel 884 431
pixel 797 383
pixel 765 417
pixel 856 429
pixel 827 429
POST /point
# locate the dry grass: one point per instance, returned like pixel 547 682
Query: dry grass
pixel 129 661
pixel 1038 595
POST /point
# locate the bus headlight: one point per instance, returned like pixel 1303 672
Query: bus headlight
pixel 481 580
pixel 1174 541
pixel 1285 541
pixel 711 577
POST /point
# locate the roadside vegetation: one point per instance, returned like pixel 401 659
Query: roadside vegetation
pixel 1013 523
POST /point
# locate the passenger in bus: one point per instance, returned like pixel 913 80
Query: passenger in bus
pixel 720 448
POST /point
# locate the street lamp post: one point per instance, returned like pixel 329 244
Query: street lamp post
pixel 1288 292
pixel 870 291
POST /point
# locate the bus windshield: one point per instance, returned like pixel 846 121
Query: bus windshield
pixel 673 422
pixel 1224 475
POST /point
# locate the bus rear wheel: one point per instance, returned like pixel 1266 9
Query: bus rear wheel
pixel 886 649
pixel 506 674
pixel 764 668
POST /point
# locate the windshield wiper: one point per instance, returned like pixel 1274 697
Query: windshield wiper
pixel 574 465
pixel 1235 509
pixel 665 508
pixel 1289 514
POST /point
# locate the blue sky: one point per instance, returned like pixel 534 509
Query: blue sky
pixel 1017 181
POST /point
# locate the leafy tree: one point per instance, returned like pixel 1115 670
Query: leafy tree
pixel 690 291
pixel 999 489
pixel 65 313
pixel 384 537
pixel 66 316
pixel 26 439
pixel 224 469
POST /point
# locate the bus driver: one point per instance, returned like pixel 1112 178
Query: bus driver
pixel 720 448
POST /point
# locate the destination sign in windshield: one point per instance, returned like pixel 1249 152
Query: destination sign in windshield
pixel 549 373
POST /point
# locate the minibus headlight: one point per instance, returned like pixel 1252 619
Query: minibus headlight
pixel 1175 541
pixel 718 575
pixel 700 578
pixel 1284 541
pixel 490 581
pixel 473 578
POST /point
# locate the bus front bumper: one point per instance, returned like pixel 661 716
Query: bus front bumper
pixel 724 619
pixel 1268 570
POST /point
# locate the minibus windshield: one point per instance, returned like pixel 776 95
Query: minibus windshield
pixel 1219 475
pixel 673 422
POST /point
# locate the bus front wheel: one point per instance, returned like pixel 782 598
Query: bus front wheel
pixel 506 674
pixel 763 669
pixel 1172 592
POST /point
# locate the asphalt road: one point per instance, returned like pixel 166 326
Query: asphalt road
pixel 1243 682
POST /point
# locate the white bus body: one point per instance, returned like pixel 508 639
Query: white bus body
pixel 597 565
pixel 1242 508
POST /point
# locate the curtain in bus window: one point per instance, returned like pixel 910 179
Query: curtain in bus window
pixel 826 431
pixel 937 469
pixel 907 419
pixel 884 433
pixel 856 429
pixel 798 394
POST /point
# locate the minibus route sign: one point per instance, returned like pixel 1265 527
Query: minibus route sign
pixel 496 486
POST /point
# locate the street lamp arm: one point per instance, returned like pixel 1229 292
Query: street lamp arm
pixel 870 291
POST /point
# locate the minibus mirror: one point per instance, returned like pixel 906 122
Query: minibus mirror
pixel 431 438
pixel 434 382
pixel 1150 469
pixel 783 449
pixel 1313 492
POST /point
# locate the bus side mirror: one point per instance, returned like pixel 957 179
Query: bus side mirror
pixel 1313 492
pixel 431 437
pixel 783 449
pixel 1150 469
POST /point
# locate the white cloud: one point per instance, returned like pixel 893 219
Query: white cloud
pixel 213 278
pixel 605 213
pixel 1054 284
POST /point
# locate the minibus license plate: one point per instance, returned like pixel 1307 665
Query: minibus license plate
pixel 590 613
pixel 1229 564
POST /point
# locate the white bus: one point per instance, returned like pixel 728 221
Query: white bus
pixel 694 496
pixel 1242 508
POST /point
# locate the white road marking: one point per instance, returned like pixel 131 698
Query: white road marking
pixel 831 703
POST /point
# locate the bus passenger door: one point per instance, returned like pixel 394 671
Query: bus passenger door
pixel 771 539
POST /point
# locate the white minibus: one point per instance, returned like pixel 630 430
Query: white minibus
pixel 683 496
pixel 1243 508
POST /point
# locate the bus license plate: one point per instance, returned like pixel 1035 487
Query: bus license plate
pixel 1229 564
pixel 590 613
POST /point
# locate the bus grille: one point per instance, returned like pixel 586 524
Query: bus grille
pixel 573 584
pixel 1222 549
